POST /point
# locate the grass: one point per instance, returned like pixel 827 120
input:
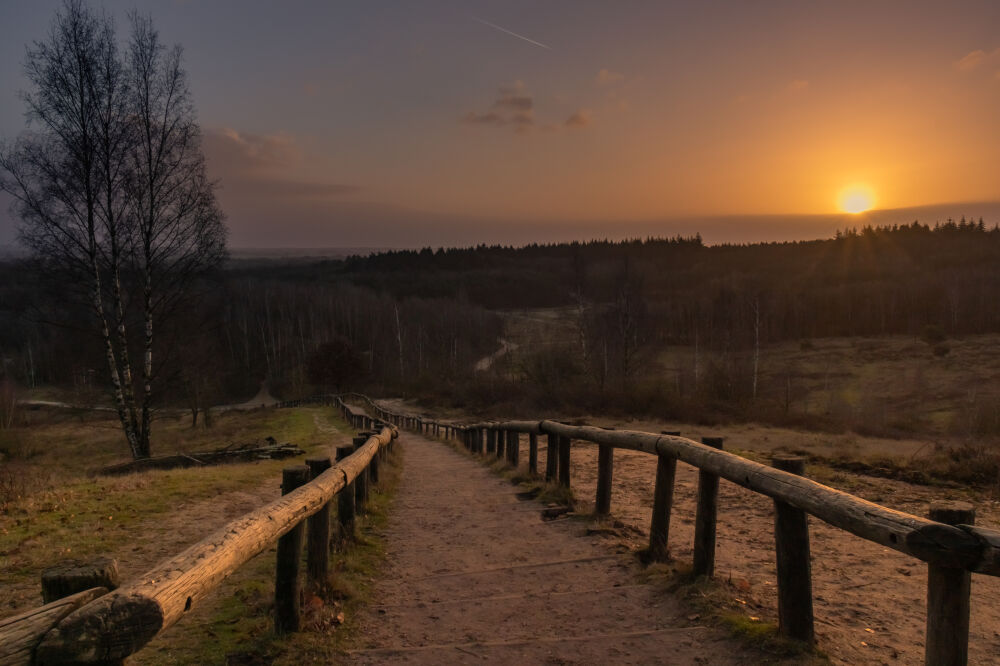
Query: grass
pixel 718 602
pixel 70 514
pixel 237 627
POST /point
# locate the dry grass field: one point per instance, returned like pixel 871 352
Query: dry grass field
pixel 55 508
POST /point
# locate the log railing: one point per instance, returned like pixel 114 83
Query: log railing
pixel 97 626
pixel 947 541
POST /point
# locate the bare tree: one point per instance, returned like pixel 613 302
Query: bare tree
pixel 179 231
pixel 110 187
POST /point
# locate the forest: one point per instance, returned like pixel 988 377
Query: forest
pixel 417 321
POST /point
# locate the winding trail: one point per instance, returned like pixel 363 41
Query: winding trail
pixel 474 574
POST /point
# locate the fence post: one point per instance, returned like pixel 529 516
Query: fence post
pixel 345 501
pixel 286 579
pixel 533 454
pixel 663 500
pixel 491 441
pixel 948 588
pixel 514 448
pixel 69 578
pixel 791 545
pixel 564 446
pixel 318 532
pixel 373 467
pixel 501 442
pixel 360 483
pixel 605 469
pixel 705 518
pixel 551 457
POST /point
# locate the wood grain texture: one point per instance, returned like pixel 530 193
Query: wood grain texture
pixel 21 633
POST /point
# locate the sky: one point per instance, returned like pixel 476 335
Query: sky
pixel 450 122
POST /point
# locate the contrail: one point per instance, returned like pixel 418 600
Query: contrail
pixel 514 34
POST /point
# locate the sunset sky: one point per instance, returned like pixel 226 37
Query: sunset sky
pixel 410 123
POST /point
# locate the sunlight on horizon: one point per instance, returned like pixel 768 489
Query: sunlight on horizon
pixel 856 199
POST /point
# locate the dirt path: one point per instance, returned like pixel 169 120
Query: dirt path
pixel 475 574
pixel 869 600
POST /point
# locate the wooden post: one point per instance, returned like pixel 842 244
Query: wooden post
pixel 360 483
pixel 705 518
pixel 663 500
pixel 564 446
pixel 605 468
pixel 514 448
pixel 501 442
pixel 345 501
pixel 491 441
pixel 74 576
pixel 318 532
pixel 286 580
pixel 551 457
pixel 533 454
pixel 948 588
pixel 373 468
pixel 791 542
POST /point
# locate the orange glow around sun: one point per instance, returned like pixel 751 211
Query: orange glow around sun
pixel 856 199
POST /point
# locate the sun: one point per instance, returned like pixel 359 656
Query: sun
pixel 856 199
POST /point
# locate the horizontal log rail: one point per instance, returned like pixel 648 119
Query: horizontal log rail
pixel 947 541
pixel 112 626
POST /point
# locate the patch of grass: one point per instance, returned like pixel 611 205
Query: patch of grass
pixel 237 627
pixel 720 602
pixel 69 515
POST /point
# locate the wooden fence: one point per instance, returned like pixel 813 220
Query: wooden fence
pixel 947 541
pixel 98 626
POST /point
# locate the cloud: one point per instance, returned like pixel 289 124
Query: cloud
pixel 974 59
pixel 257 167
pixel 295 189
pixel 581 118
pixel 512 106
pixel 252 151
pixel 971 60
pixel 798 85
pixel 515 102
pixel 607 77
pixel 490 118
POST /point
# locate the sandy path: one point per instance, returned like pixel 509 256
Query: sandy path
pixel 474 574
pixel 869 600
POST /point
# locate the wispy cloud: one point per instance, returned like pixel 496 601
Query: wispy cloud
pixel 514 108
pixel 974 59
pixel 581 118
pixel 798 85
pixel 489 118
pixel 607 77
pixel 264 166
pixel 511 32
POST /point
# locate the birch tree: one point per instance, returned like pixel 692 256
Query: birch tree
pixel 110 187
